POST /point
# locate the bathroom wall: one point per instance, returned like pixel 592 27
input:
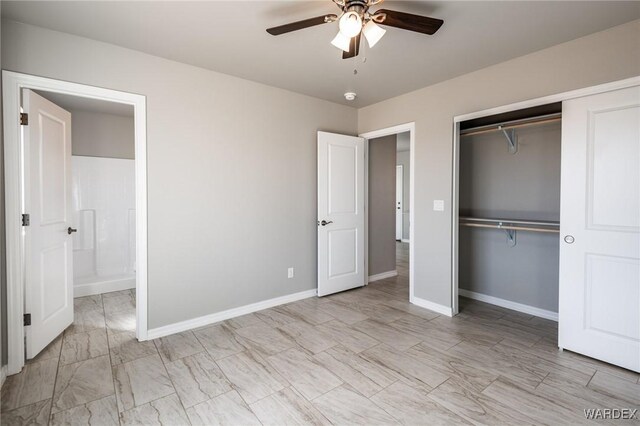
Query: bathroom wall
pixel 103 196
pixel 97 134
pixel 103 193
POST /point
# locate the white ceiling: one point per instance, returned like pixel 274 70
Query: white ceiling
pixel 77 103
pixel 230 37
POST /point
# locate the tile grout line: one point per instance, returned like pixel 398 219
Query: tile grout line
pixel 169 377
pixel 59 366
pixel 111 366
pixel 55 381
pixel 541 381
pixel 592 376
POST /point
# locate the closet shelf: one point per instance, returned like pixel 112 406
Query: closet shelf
pixel 510 125
pixel 511 225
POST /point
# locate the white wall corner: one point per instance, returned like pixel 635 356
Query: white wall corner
pixel 435 307
pixel 228 314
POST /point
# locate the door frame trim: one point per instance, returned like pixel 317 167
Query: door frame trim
pixel 559 97
pixel 12 84
pixel 393 130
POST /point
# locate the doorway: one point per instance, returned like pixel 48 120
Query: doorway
pixel 389 197
pixel 100 267
pixel 344 204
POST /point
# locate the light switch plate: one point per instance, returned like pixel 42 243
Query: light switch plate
pixel 438 205
pixel 290 273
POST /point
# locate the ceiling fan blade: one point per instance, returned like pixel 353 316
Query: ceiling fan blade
pixel 408 21
pixel 354 48
pixel 299 25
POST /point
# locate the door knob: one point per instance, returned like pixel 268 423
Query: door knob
pixel 325 223
pixel 569 239
pixel 70 230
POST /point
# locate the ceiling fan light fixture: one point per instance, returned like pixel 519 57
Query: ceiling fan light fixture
pixel 341 41
pixel 350 24
pixel 373 33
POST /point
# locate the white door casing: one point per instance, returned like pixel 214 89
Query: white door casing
pixel 399 201
pixel 599 305
pixel 47 199
pixel 341 168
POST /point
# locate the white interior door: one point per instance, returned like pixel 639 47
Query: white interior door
pixel 599 312
pixel 47 199
pixel 399 201
pixel 340 213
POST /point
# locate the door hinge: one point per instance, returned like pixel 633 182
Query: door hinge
pixel 26 220
pixel 27 319
pixel 24 119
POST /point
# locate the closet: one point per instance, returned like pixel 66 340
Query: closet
pixel 548 216
pixel 509 209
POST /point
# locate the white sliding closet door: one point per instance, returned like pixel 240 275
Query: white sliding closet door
pixel 599 311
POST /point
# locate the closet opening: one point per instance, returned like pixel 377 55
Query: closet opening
pixel 509 213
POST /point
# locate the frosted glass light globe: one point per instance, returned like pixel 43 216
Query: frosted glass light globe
pixel 350 24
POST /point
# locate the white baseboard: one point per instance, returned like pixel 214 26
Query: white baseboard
pixel 435 307
pixel 178 327
pixel 514 306
pixel 89 289
pixel 405 240
pixel 3 374
pixel 383 275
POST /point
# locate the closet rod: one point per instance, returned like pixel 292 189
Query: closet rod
pixel 542 119
pixel 511 228
pixel 511 225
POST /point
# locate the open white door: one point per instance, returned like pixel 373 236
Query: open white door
pixel 399 201
pixel 47 200
pixel 599 311
pixel 340 213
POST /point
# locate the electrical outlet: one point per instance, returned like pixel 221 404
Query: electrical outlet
pixel 290 273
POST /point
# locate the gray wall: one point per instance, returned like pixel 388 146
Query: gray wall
pixel 246 138
pixel 382 199
pixel 602 57
pixel 402 158
pixel 95 134
pixel 3 258
pixel 525 185
pixel 231 171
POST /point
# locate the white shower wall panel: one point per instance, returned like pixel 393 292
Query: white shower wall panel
pixel 104 214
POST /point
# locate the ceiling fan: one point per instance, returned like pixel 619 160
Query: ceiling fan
pixel 356 19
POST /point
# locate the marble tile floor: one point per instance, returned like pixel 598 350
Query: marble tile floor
pixel 364 356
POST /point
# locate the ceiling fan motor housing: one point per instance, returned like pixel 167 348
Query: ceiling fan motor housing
pixel 358 6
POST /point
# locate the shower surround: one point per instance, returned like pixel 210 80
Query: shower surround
pixel 103 191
